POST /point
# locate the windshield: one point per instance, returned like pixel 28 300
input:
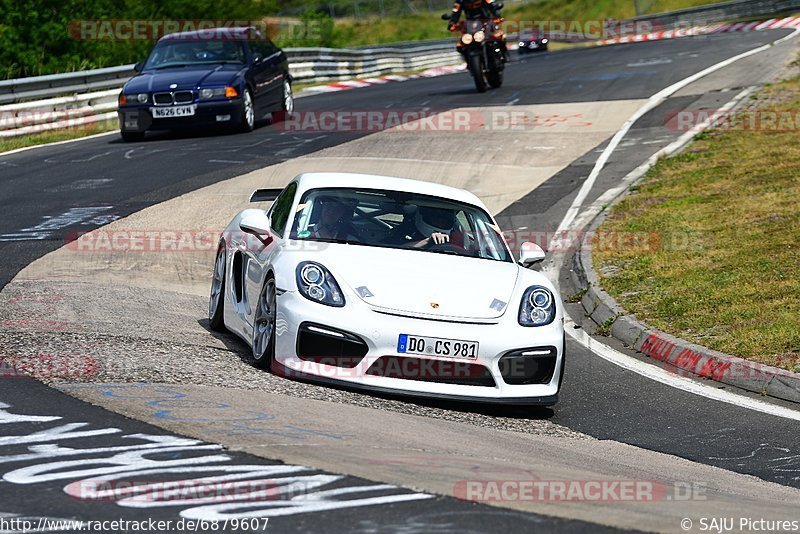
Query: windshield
pixel 395 219
pixel 184 53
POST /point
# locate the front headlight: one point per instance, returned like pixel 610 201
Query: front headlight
pixel 316 283
pixel 142 98
pixel 479 36
pixel 466 38
pixel 544 41
pixel 538 307
pixel 212 92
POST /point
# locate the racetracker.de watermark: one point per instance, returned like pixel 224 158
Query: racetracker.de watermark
pixel 611 490
pixel 198 491
pixel 49 366
pixel 757 120
pixel 425 120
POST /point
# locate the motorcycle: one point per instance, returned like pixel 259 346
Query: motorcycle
pixel 482 50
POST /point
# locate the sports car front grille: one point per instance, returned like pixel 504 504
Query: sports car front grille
pixel 535 365
pixel 177 97
pixel 428 370
pixel 328 346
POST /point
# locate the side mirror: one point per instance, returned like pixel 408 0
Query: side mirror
pixel 530 253
pixel 257 57
pixel 498 5
pixel 138 66
pixel 446 16
pixel 255 221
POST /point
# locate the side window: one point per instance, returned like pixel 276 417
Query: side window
pixel 279 212
pixel 263 46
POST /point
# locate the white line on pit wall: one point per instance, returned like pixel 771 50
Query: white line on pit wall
pixel 571 221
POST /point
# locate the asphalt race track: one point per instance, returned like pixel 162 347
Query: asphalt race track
pixel 47 194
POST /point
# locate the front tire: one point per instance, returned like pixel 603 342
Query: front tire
pixel 495 78
pixel 216 301
pixel 476 68
pixel 248 121
pixel 264 326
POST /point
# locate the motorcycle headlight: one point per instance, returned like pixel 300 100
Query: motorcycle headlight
pixel 466 38
pixel 212 92
pixel 316 283
pixel 479 36
pixel 538 307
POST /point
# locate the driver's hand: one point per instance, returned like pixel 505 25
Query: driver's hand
pixel 439 238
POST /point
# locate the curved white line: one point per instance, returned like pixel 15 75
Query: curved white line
pixel 610 354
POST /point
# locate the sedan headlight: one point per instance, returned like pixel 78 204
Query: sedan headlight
pixel 466 38
pixel 538 307
pixel 212 92
pixel 479 36
pixel 317 284
pixel 141 98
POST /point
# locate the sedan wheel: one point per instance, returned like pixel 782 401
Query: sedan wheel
pixel 288 103
pixel 264 326
pixel 248 112
pixel 216 301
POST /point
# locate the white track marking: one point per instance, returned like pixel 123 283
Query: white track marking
pixel 571 220
pixel 671 379
pixel 651 103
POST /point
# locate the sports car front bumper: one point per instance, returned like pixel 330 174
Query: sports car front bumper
pixel 483 379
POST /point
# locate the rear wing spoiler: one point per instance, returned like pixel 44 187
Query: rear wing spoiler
pixel 265 195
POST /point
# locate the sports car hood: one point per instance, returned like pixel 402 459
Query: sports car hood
pixel 183 77
pixel 425 283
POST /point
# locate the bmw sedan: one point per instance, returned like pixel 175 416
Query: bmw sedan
pixel 222 77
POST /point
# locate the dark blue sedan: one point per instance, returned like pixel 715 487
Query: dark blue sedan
pixel 220 77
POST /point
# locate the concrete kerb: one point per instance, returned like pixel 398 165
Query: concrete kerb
pixel 607 317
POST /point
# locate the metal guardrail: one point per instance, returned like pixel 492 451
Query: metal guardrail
pixel 721 12
pixel 306 65
pixel 36 104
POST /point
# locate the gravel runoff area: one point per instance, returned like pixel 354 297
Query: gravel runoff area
pixel 68 336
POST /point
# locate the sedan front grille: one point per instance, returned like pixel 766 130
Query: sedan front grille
pixel 177 97
pixel 183 97
pixel 162 99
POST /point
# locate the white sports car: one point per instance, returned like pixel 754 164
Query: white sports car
pixel 391 285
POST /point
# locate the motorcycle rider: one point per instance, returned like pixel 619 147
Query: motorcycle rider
pixel 479 9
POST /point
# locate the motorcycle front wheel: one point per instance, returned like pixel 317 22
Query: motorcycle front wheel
pixel 476 69
pixel 495 78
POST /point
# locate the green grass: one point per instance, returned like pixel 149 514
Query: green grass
pixel 723 220
pixel 22 141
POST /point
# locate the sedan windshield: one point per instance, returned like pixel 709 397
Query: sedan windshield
pixel 182 53
pixel 396 219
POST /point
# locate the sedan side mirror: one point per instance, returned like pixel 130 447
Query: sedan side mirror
pixel 138 66
pixel 446 16
pixel 255 221
pixel 530 253
pixel 257 57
